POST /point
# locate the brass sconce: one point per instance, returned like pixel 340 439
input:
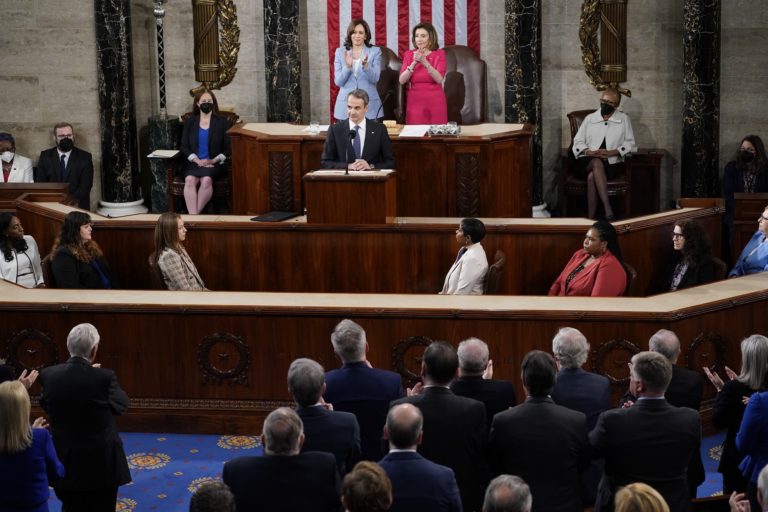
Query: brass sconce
pixel 604 59
pixel 217 43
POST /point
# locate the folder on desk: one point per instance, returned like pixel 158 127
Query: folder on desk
pixel 275 216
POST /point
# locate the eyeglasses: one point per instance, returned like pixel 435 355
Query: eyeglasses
pixel 676 236
pixel 762 218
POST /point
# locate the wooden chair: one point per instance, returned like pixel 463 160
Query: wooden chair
pixel 155 275
pixel 464 85
pixel 571 185
pixel 721 269
pixel 629 291
pixel 493 277
pixel 50 282
pixel 174 174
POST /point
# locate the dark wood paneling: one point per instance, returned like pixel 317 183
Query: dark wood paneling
pixel 11 192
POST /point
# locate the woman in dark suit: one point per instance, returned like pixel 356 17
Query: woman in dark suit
pixel 27 457
pixel 77 261
pixel 693 264
pixel 728 410
pixel 207 147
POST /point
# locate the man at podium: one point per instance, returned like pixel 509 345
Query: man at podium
pixel 357 143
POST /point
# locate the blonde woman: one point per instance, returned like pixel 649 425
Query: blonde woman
pixel 177 268
pixel 27 456
pixel 640 497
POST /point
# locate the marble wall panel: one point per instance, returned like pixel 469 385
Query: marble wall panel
pixel 282 50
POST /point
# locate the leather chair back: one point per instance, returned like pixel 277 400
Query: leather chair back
pixel 629 291
pixel 465 85
pixel 493 278
pixel 155 275
pixel 721 269
pixel 389 87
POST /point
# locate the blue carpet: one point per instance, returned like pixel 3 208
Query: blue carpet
pixel 168 468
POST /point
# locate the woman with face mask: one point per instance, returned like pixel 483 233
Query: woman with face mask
pixel 16 168
pixel 207 147
pixel 747 172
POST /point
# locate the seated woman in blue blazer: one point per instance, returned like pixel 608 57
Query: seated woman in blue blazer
pixel 357 65
pixel 754 257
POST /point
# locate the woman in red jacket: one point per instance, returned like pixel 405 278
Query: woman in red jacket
pixel 596 269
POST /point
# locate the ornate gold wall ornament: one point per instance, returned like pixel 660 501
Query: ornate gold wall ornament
pixel 590 24
pixel 217 43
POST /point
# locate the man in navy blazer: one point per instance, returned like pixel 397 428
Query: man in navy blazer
pixel 417 483
pixel 476 379
pixel 359 388
pixel 284 479
pixel 455 434
pixel 372 139
pixel 325 430
pixel 67 164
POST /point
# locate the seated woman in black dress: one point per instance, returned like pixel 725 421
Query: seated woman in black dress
pixel 693 263
pixel 207 147
pixel 77 261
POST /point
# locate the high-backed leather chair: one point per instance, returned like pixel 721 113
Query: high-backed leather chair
pixel 464 84
pixel 493 277
pixel 629 291
pixel 174 173
pixel 573 186
pixel 389 87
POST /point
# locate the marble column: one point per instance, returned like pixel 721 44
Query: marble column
pixel 164 133
pixel 283 60
pixel 119 168
pixel 522 89
pixel 701 99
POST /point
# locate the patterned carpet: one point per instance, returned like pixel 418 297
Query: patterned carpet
pixel 168 468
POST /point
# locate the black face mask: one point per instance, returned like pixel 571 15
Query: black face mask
pixel 746 156
pixel 66 144
pixel 206 108
pixel 606 109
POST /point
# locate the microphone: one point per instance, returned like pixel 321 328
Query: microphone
pixel 381 105
pixel 352 135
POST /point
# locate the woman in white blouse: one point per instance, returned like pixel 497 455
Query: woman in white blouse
pixel 20 258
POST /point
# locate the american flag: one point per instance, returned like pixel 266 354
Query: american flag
pixel 391 22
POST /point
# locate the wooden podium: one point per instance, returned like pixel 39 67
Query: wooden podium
pixel 360 197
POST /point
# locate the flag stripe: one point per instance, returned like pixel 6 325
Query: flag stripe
pixel 357 9
pixel 449 15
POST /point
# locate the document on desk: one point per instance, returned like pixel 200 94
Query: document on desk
pixel 414 130
pixel 163 153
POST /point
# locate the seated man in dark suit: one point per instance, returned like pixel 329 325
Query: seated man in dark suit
pixel 651 442
pixel 325 430
pixel 581 391
pixel 455 434
pixel 507 493
pixel 67 164
pixel 359 388
pixel 284 479
pixel 417 483
pixel 357 143
pixel 684 390
pixel 476 379
pixel 543 443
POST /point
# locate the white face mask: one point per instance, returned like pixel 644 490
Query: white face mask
pixel 7 156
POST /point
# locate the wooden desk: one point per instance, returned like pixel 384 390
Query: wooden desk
pixel 360 197
pixel 411 255
pixel 216 362
pixel 485 172
pixel 10 192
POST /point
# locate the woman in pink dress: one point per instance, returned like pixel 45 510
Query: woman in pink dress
pixel 423 71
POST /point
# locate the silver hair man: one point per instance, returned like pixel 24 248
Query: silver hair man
pixel 306 381
pixel 666 343
pixel 283 432
pixel 570 348
pixel 349 341
pixel 507 493
pixel 82 340
pixel 473 357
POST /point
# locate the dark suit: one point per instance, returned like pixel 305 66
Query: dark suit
pixel 69 272
pixel 365 392
pixel 307 482
pixel 334 432
pixel 418 484
pixel 218 143
pixel 455 435
pixel 79 173
pixel 589 393
pixel 701 272
pixel 497 395
pixel 377 151
pixel 7 373
pixel 81 403
pixel 651 442
pixel 546 445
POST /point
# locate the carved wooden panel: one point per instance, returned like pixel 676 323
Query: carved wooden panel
pixel 281 181
pixel 467 185
pixel 707 349
pixel 224 357
pixel 407 356
pixel 612 360
pixel 31 349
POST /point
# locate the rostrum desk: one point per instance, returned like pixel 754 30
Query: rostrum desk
pixel 484 172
